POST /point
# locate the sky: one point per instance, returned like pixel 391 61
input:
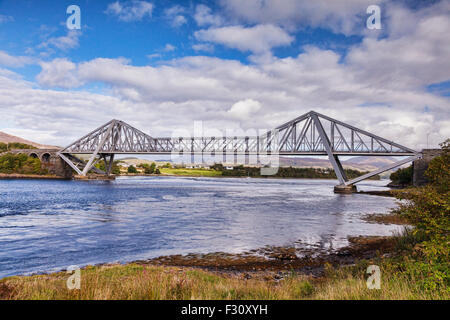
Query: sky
pixel 164 66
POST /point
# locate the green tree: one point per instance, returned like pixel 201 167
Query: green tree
pixel 402 176
pixel 167 165
pixel 115 167
pixel 438 172
pixel 132 169
pixel 217 166
pixel 14 145
pixel 148 169
pixel 428 208
pixel 20 163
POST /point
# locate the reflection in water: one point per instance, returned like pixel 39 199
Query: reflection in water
pixel 49 225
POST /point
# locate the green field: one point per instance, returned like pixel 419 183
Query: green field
pixel 191 172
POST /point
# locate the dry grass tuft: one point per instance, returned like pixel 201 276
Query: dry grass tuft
pixel 133 281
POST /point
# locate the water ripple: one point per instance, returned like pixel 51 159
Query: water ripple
pixel 46 225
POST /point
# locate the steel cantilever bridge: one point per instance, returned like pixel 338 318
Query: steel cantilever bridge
pixel 309 134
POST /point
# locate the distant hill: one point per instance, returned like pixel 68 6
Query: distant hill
pixel 8 138
pixel 136 161
pixel 356 163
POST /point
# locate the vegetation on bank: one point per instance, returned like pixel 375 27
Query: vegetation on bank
pixel 428 209
pixel 115 169
pixel 4 147
pixel 289 172
pixel 20 164
pixel 218 170
pixel 402 177
pixel 191 172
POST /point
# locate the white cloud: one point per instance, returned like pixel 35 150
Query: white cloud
pixel 379 86
pixel 410 57
pixel 168 47
pixel 202 88
pixel 206 47
pixel 69 41
pixel 243 109
pixel 53 117
pixel 257 39
pixel 178 21
pixel 159 54
pixel 154 55
pixel 204 17
pixel 5 19
pixel 12 61
pixel 176 15
pixel 60 73
pixel 130 10
pixel 340 16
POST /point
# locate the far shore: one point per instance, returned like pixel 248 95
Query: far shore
pixel 8 176
pixel 220 176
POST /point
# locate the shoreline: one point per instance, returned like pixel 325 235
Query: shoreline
pixel 220 176
pixel 267 261
pixel 17 176
pixel 273 261
pixel 272 273
pixel 308 260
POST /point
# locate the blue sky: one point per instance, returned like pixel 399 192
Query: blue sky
pixel 103 35
pixel 162 65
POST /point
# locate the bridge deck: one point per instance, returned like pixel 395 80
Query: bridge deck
pixel 311 134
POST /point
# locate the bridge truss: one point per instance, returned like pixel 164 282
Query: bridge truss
pixel 309 134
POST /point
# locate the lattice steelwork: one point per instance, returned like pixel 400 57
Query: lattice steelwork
pixel 309 134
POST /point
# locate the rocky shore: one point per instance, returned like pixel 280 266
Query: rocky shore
pixel 274 262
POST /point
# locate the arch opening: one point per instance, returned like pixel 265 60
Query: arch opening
pixel 46 157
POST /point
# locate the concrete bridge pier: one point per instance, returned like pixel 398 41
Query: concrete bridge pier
pixel 345 189
pixel 421 165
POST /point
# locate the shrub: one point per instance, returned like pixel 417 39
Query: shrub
pixel 14 145
pixel 428 208
pixel 115 167
pixel 132 169
pixel 20 163
pixel 402 176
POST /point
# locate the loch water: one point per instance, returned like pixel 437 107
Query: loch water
pixel 48 225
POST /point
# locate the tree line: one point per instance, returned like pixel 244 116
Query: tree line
pixel 290 172
pixel 21 164
pixel 4 147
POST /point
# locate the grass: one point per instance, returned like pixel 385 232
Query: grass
pixel 133 281
pixel 348 284
pixel 391 218
pixel 400 280
pixel 145 282
pixel 191 172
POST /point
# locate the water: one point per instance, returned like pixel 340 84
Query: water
pixel 48 225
